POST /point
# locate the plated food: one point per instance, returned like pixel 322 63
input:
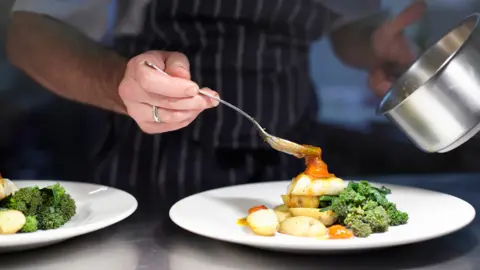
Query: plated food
pixel 29 209
pixel 318 204
pixel 96 207
pixel 425 219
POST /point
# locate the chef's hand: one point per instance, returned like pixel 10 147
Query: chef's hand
pixel 175 95
pixel 391 46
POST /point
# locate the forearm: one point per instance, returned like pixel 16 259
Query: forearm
pixel 352 42
pixel 66 62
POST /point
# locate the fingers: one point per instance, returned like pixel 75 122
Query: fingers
pixel 390 45
pixel 408 16
pixel 176 97
pixel 209 91
pixel 129 90
pixel 170 119
pixel 155 128
pixel 156 82
pixel 142 113
pixel 396 50
pixel 198 102
pixel 378 82
pixel 194 103
pixel 173 113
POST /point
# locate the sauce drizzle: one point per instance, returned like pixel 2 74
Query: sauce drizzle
pixel 242 222
pixel 339 232
pixel 316 167
pixel 256 208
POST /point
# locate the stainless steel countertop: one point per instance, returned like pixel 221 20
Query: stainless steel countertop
pixel 149 240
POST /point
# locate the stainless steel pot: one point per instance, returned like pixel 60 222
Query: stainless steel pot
pixel 436 102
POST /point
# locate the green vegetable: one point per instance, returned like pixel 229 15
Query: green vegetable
pixel 377 218
pixel 364 209
pixel 46 208
pixel 31 225
pixel 360 228
pixel 50 218
pixel 396 216
pixel 57 208
pixel 27 200
pixel 56 197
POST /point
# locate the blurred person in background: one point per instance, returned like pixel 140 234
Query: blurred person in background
pixel 252 53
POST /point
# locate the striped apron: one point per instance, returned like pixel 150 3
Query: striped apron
pixel 255 53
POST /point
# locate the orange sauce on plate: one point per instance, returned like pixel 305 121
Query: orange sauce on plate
pixel 242 222
pixel 339 232
pixel 256 208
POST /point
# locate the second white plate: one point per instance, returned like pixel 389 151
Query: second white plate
pixel 214 214
pixel 97 207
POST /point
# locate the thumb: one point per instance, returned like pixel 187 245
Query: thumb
pixel 408 16
pixel 177 65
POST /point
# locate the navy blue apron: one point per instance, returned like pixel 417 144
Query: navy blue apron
pixel 255 53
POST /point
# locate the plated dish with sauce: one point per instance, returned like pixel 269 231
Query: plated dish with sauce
pixel 319 205
pixel 215 214
pixel 320 212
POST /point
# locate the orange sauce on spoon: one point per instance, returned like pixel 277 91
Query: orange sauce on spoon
pixel 315 166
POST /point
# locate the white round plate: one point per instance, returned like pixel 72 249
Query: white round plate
pixel 97 207
pixel 214 214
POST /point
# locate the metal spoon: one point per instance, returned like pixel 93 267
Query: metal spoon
pixel 277 143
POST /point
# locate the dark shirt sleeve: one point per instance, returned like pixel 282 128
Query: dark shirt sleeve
pixel 342 12
pixel 88 16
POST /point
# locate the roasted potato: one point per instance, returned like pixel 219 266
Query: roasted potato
pixel 282 212
pixel 303 227
pixel 301 201
pixel 263 222
pixel 282 208
pixel 327 218
pixel 11 221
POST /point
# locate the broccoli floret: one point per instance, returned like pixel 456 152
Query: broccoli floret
pixel 66 205
pixel 383 190
pixel 53 194
pixel 369 205
pixel 378 219
pixel 355 213
pixel 61 201
pixel 347 195
pixel 363 187
pixel 45 209
pixel 31 225
pixel 27 200
pixel 396 216
pixel 372 193
pixel 352 185
pixel 360 228
pixel 380 198
pixel 340 207
pixel 49 218
pixel 58 208
pixel 364 209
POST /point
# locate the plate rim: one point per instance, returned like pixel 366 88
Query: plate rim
pixel 16 240
pixel 334 245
